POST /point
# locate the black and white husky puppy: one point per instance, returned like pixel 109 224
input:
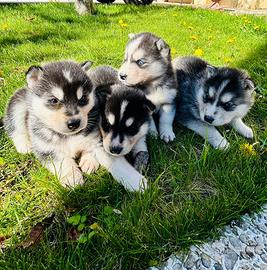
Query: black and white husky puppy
pixel 56 117
pixel 125 116
pixel 147 64
pixel 212 96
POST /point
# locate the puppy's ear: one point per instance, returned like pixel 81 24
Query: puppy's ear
pixel 149 105
pixel 247 83
pixel 33 76
pixel 86 65
pixel 211 70
pixel 163 48
pixel 131 35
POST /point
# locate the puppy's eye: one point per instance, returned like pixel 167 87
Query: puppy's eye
pixel 82 101
pixel 140 62
pixel 53 101
pixel 206 98
pixel 229 105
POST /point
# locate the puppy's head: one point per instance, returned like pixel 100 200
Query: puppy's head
pixel 227 93
pixel 125 119
pixel 146 59
pixel 62 95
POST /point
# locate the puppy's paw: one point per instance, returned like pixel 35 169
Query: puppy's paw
pixel 247 132
pixel 222 145
pixel 23 146
pixel 167 135
pixel 141 160
pixel 153 133
pixel 88 164
pixel 72 178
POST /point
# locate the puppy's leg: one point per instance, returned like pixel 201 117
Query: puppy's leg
pixel 88 163
pixel 208 132
pixel 66 170
pixel 121 170
pixel 242 128
pixel 152 128
pixel 15 125
pixel 167 113
pixel 140 154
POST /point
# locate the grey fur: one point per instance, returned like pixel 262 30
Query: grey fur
pixel 56 117
pixel 212 96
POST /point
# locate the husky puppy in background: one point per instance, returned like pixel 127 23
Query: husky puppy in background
pixel 125 116
pixel 147 65
pixel 212 96
pixel 56 117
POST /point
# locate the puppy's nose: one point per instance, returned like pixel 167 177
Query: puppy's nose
pixel 208 119
pixel 73 124
pixel 123 76
pixel 115 149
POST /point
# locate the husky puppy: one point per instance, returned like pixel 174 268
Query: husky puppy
pixel 147 64
pixel 56 117
pixel 212 96
pixel 125 116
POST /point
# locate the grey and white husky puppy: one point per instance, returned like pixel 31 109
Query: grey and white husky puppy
pixel 56 117
pixel 125 116
pixel 147 64
pixel 212 96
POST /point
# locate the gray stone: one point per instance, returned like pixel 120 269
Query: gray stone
pixel 250 251
pixel 263 228
pixel 235 242
pixel 178 266
pixel 252 243
pixel 230 259
pixel 244 238
pixel 206 261
pixel 244 255
pixel 264 257
pixel 259 249
pixel 217 266
pixel 190 261
pixel 263 267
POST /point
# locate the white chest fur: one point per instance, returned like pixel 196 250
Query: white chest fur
pixel 161 95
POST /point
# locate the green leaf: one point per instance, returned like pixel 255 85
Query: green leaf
pixel 108 210
pixel 81 227
pixel 91 234
pixel 83 219
pixel 2 161
pixel 74 220
pixel 83 238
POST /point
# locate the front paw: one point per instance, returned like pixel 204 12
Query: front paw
pixel 88 164
pixel 72 178
pixel 222 145
pixel 141 160
pixel 23 146
pixel 247 133
pixel 167 134
pixel 153 133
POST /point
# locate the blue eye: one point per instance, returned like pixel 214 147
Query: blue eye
pixel 53 101
pixel 140 62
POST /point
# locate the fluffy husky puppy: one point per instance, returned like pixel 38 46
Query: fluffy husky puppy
pixel 212 96
pixel 147 64
pixel 56 117
pixel 125 116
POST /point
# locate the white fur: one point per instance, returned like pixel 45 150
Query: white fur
pixel 242 128
pixel 66 74
pixel 57 92
pixel 111 118
pixel 167 113
pixel 123 108
pixel 208 132
pixel 129 122
pixel 79 93
pixel 226 97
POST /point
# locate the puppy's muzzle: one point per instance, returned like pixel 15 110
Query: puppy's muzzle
pixel 208 119
pixel 122 76
pixel 115 150
pixel 73 124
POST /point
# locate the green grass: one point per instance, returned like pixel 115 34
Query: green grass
pixel 195 190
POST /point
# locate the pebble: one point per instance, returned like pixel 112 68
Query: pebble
pixel 243 246
pixel 205 259
pixel 230 259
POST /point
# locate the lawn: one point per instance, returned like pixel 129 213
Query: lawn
pixel 195 190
